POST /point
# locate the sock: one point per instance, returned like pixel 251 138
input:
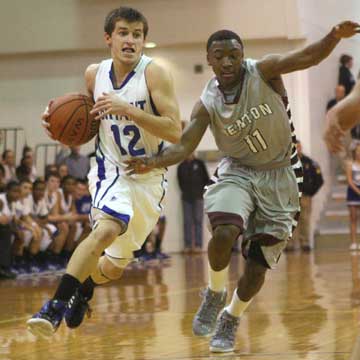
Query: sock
pixel 67 287
pixel 217 279
pixel 87 288
pixel 237 307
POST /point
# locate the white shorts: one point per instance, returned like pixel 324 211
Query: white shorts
pixel 47 236
pixel 133 200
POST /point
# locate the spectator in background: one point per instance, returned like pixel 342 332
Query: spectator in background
pixel 313 181
pixel 8 161
pixel 62 155
pixel 63 171
pixel 346 78
pixel 6 216
pixel 339 95
pixel 26 169
pixel 50 168
pixel 353 194
pixel 2 179
pixel 83 207
pixel 78 165
pixel 192 177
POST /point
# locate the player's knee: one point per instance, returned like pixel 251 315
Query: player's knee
pixel 63 228
pixel 105 235
pixel 224 236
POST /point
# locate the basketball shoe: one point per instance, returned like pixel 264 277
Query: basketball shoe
pixel 48 319
pixel 224 338
pixel 76 309
pixel 205 319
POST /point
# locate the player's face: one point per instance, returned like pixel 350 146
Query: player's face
pixel 53 183
pixel 126 42
pixel 226 57
pixel 14 194
pixel 26 189
pixel 80 190
pixel 69 186
pixel 39 192
pixel 10 158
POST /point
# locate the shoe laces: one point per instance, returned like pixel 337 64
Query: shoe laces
pixel 226 328
pixel 210 301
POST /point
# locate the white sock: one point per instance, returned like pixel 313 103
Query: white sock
pixel 218 279
pixel 237 307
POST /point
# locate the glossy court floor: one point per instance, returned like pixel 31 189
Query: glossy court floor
pixel 308 309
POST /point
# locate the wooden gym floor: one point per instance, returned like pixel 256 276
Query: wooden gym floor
pixel 308 309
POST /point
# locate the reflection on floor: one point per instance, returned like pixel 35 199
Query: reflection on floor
pixel 307 309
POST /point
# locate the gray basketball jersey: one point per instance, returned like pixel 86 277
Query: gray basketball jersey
pixel 254 132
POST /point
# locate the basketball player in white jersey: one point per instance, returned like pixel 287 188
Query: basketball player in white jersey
pixel 255 190
pixel 136 104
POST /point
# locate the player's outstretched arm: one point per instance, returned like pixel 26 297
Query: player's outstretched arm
pixel 342 117
pixel 175 153
pixel 274 65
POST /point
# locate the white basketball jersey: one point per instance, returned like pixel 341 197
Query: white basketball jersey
pixel 65 206
pixel 6 208
pixel 119 137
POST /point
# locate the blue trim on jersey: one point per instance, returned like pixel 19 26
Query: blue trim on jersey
pixel 154 109
pixel 111 185
pixel 123 217
pixel 101 173
pixel 160 147
pixel 113 79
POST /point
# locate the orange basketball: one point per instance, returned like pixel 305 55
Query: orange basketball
pixel 70 120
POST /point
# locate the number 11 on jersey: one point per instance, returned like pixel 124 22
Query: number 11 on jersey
pixel 260 139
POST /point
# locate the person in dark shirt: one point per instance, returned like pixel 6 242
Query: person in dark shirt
pixel 339 95
pixel 346 78
pixel 313 181
pixel 192 177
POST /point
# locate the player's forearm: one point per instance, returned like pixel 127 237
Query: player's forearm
pixel 318 51
pixel 171 155
pixel 163 127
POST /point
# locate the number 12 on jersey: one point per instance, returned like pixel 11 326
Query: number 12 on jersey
pixel 128 130
pixel 256 135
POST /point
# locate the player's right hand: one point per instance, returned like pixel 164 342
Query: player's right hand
pixel 45 119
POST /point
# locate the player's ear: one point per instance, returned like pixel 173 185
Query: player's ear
pixel 107 39
pixel 208 59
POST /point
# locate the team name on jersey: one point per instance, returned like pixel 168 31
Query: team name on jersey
pixel 139 104
pixel 248 118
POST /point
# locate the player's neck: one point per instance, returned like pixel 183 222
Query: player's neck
pixel 121 70
pixel 231 95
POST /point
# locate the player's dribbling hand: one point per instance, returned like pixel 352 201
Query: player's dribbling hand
pixel 346 29
pixel 44 119
pixel 109 104
pixel 139 165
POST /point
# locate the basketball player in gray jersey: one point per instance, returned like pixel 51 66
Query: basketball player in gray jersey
pixel 255 192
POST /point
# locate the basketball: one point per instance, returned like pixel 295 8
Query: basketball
pixel 70 120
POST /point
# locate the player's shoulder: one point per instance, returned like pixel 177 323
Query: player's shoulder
pixel 156 72
pixel 92 70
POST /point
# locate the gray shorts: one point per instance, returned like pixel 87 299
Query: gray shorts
pixel 263 202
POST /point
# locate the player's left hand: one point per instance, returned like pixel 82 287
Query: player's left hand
pixel 346 29
pixel 109 104
pixel 334 136
pixel 141 165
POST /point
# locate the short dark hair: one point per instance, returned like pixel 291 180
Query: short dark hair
pixel 38 182
pixel 124 13
pixel 66 178
pixel 52 174
pixel 2 170
pixel 345 58
pixel 223 35
pixel 11 185
pixel 5 153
